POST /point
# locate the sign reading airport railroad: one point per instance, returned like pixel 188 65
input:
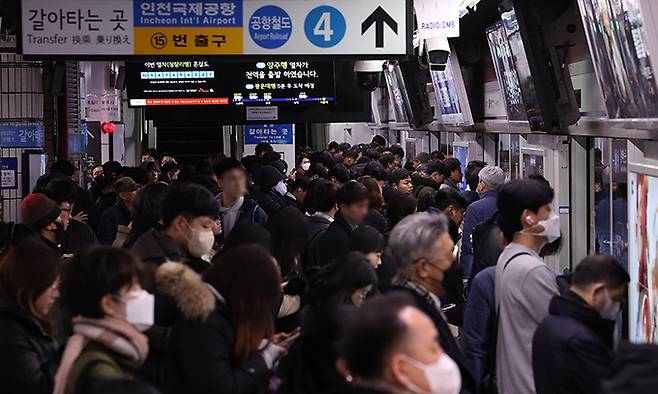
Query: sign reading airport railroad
pixel 220 27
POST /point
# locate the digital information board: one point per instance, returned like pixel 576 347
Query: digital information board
pixel 202 82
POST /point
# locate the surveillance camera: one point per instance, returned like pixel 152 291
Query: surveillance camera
pixel 369 73
pixel 438 51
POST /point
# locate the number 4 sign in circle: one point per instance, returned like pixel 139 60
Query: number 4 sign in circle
pixel 325 26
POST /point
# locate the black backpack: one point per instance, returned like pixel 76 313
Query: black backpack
pixel 487 244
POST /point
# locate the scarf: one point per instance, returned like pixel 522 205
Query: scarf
pixel 115 334
pixel 403 281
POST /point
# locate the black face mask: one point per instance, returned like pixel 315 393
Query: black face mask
pixel 98 179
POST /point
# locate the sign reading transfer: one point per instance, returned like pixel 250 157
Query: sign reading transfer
pixel 217 27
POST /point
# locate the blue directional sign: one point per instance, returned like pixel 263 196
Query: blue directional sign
pixel 273 134
pixel 325 26
pixel 8 173
pixel 270 27
pixel 21 136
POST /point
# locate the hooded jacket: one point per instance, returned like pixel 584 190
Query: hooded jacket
pixel 572 347
pixel 202 339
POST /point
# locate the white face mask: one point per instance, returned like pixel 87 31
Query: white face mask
pixel 201 241
pixel 551 228
pixel 610 309
pixel 281 188
pixel 306 166
pixel 443 376
pixel 140 311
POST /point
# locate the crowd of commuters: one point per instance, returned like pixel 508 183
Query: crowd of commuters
pixel 357 271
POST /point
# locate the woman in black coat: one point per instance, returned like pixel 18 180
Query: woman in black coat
pixel 224 341
pixel 310 365
pixel 29 275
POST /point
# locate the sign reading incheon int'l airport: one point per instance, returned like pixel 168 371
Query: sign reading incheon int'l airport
pixel 216 27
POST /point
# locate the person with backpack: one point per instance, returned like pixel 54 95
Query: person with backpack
pixel 491 178
pixel 234 203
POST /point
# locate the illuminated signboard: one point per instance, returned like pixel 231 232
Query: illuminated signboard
pixel 202 82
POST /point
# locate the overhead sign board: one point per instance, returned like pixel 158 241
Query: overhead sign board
pixel 273 134
pixel 220 27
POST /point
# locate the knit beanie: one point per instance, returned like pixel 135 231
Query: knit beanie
pixel 268 176
pixel 38 211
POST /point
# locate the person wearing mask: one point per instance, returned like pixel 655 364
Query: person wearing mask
pixel 452 204
pixel 304 165
pixel 420 159
pixel 224 340
pixel 423 251
pixel 119 214
pixel 102 288
pixel 297 191
pixel 234 202
pixel 189 213
pixel 29 280
pixel 310 365
pixel 146 212
pixel 77 234
pixel 572 349
pixel 262 148
pixel 369 241
pixel 94 187
pixel 472 180
pixel 428 182
pixel 524 284
pixel 454 171
pixel 400 181
pixel 390 347
pixel 42 215
pixel 491 178
pixel 272 187
pixel 352 199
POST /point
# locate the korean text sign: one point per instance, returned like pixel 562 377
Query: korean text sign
pixel 215 27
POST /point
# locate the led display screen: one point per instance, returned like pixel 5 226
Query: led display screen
pixel 508 79
pixel 618 44
pixel 202 82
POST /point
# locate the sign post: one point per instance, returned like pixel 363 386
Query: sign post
pixel 217 27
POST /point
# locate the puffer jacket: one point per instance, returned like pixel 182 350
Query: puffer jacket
pixel 202 339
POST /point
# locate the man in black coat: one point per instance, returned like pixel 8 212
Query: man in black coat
pixel 119 214
pixel 572 347
pixel 422 249
pixel 352 199
pixel 271 189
